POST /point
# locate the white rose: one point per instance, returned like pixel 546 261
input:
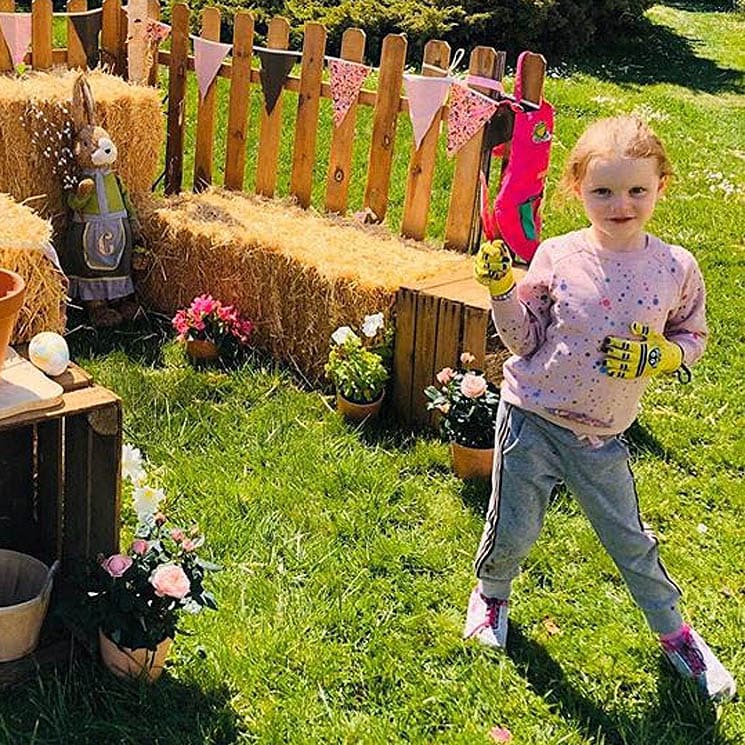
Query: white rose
pixel 132 467
pixel 372 324
pixel 342 334
pixel 146 500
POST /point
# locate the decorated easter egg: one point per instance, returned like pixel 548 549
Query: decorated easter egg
pixel 49 352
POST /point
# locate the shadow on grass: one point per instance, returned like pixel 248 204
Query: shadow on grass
pixel 678 716
pixel 86 704
pixel 654 53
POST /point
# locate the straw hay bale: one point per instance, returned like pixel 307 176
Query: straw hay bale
pixel 297 274
pixel 37 101
pixel 24 248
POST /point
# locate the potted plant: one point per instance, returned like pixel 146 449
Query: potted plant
pixel 468 407
pixel 211 329
pixel 358 366
pixel 134 599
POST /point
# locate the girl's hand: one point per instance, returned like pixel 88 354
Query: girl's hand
pixel 628 358
pixel 493 268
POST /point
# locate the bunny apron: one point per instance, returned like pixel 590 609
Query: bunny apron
pixel 98 251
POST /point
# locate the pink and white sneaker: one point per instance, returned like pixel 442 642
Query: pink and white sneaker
pixel 486 620
pixel 692 658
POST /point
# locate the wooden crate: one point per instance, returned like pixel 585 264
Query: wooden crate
pixel 60 476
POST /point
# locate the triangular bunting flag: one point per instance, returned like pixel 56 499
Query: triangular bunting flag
pixel 88 26
pixel 16 28
pixel 346 80
pixel 468 112
pixel 208 56
pixel 426 97
pixel 275 67
pixel 157 31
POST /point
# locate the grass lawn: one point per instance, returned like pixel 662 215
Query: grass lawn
pixel 347 554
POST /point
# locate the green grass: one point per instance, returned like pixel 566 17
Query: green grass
pixel 347 554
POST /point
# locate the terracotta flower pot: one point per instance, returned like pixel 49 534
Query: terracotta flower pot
pixel 471 463
pixel 12 293
pixel 358 412
pixel 133 663
pixel 202 349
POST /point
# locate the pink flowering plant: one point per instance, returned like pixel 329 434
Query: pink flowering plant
pixel 468 404
pixel 208 319
pixel 136 596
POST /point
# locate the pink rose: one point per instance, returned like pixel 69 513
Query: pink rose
pixel 473 386
pixel 445 375
pixel 170 580
pixel 140 546
pixel 117 564
pixel 178 535
pixel 189 545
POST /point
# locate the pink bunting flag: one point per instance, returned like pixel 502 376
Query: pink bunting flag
pixel 346 81
pixel 469 110
pixel 426 98
pixel 208 56
pixel 16 28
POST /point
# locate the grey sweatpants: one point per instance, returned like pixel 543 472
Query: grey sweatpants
pixel 531 456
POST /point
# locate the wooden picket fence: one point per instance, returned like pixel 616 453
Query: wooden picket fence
pixel 387 102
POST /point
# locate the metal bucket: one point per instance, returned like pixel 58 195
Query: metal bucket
pixel 25 586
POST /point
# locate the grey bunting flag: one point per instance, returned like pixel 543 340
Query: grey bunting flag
pixel 87 27
pixel 275 67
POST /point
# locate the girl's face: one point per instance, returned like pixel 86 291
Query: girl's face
pixel 619 196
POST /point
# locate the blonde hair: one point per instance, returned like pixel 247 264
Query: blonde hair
pixel 616 136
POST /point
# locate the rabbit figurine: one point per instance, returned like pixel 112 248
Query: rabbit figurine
pixel 97 255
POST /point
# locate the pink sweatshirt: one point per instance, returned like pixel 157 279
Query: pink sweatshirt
pixel 573 296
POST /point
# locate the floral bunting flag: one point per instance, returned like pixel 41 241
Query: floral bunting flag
pixel 157 31
pixel 426 97
pixel 346 80
pixel 88 26
pixel 275 67
pixel 16 29
pixel 208 56
pixel 469 110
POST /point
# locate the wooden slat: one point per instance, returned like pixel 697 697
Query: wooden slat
pixel 6 63
pixel 342 138
pixel 449 320
pixel 467 166
pixel 17 529
pixel 533 77
pixel 76 57
pixel 278 37
pixel 110 21
pixel 240 92
pixel 176 98
pixel 425 338
pixel 306 122
pixel 475 321
pixel 153 11
pixel 392 60
pixel 403 353
pixel 41 34
pixel 50 488
pixel 205 137
pixel 123 58
pixel 422 162
pixel 78 487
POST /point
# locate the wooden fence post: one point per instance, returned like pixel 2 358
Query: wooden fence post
pixel 205 137
pixel 240 93
pixel 153 12
pixel 41 34
pixel 278 37
pixel 387 104
pixel 111 18
pixel 463 192
pixel 6 63
pixel 422 163
pixel 76 56
pixel 176 100
pixel 306 122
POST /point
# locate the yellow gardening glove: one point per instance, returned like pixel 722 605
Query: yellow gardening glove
pixel 493 268
pixel 653 355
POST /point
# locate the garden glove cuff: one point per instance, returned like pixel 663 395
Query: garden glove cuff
pixel 652 355
pixel 493 268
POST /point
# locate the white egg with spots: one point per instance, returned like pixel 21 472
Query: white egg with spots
pixel 49 352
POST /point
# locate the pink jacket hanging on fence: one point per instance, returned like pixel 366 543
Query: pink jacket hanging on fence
pixel 519 200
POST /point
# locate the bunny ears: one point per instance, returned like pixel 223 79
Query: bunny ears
pixel 83 108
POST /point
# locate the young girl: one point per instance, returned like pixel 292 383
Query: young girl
pixel 600 312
